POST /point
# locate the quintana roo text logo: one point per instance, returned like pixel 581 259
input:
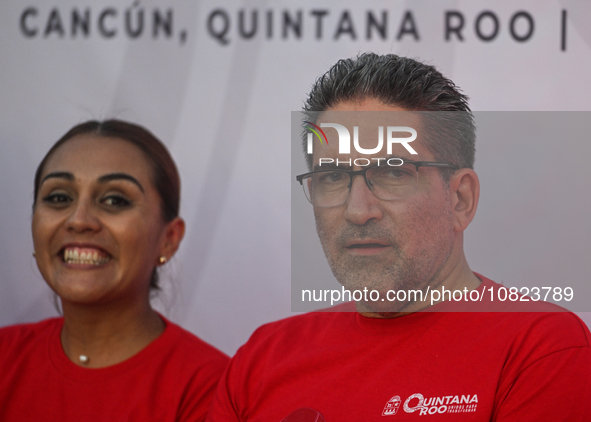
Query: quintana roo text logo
pixel 442 404
pixel 424 406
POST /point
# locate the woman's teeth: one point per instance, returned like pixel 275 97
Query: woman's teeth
pixel 89 257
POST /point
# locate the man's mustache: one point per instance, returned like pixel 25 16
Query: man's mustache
pixel 368 232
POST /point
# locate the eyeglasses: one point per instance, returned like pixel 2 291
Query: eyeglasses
pixel 331 188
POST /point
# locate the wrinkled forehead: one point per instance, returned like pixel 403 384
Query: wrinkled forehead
pixel 368 133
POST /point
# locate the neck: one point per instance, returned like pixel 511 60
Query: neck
pixel 107 335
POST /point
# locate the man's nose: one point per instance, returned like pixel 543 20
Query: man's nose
pixel 362 205
pixel 83 217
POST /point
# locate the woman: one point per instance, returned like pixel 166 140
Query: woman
pixel 105 216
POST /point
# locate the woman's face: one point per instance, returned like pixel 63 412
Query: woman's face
pixel 97 224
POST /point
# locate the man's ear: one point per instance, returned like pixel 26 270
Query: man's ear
pixel 465 191
pixel 172 236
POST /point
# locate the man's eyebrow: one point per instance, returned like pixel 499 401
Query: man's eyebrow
pixel 58 175
pixel 120 176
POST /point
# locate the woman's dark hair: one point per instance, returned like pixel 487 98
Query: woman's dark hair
pixel 165 176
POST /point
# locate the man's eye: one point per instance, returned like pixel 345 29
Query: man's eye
pixel 393 175
pixel 57 198
pixel 116 201
pixel 332 177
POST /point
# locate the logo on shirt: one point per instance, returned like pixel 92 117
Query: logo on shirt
pixel 432 405
pixel 392 406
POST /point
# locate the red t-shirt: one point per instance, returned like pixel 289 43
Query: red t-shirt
pixel 172 379
pixel 425 366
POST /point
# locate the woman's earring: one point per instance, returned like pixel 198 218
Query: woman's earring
pixel 162 259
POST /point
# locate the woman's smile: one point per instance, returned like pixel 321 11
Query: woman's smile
pixel 82 256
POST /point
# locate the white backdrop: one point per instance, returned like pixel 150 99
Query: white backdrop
pixel 218 90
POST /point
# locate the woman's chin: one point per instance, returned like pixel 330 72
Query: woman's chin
pixel 83 287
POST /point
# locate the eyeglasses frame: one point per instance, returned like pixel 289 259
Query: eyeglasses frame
pixel 353 173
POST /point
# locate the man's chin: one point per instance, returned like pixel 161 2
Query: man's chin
pixel 382 309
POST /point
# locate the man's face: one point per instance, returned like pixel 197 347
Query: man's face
pixel 378 244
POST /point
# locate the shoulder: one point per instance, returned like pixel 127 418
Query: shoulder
pixel 548 332
pixel 193 367
pixel 187 346
pixel 26 345
pixel 289 336
pixel 313 323
pixel 541 327
pixel 273 352
pixel 30 327
pixel 16 335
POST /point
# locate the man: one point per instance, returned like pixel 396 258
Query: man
pixel 398 226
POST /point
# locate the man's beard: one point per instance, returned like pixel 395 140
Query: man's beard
pixel 394 270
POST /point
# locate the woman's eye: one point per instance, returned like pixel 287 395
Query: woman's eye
pixel 116 201
pixel 57 199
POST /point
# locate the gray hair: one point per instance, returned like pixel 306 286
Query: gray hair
pixel 450 134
